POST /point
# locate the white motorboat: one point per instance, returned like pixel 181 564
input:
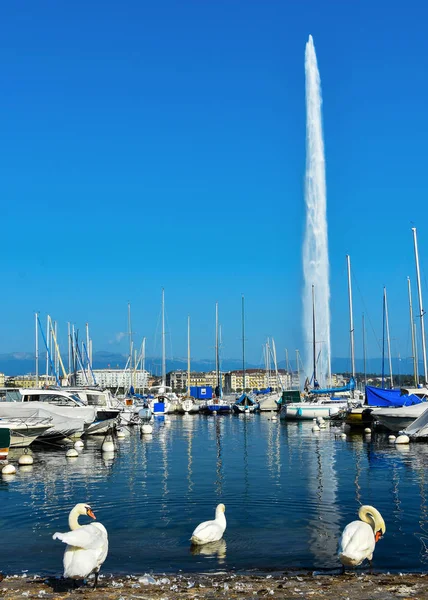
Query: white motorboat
pixel 310 409
pixel 107 407
pixel 269 402
pixel 400 417
pixel 70 416
pixel 188 405
pixel 23 431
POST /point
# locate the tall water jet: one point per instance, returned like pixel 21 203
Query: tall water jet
pixel 315 247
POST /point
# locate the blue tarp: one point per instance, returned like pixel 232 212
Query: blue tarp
pixel 346 388
pixel 380 397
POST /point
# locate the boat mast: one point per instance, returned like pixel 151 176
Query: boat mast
pixel 298 371
pixel 130 344
pixel 37 349
pixel 415 372
pixel 421 310
pixel 388 339
pixel 313 334
pixel 163 340
pixel 188 355
pixel 364 351
pixel 351 316
pixel 47 350
pixel 243 346
pixel 144 363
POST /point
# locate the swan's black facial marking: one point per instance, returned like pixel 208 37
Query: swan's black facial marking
pixel 89 512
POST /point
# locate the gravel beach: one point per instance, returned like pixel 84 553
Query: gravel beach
pixel 359 586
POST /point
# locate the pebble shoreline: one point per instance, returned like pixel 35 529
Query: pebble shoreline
pixel 352 585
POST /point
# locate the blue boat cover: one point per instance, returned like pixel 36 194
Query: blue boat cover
pixel 346 388
pixel 380 397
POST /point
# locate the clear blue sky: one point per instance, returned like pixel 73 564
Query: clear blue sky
pixel 149 144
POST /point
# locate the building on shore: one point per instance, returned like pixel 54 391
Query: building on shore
pixel 114 378
pixel 257 379
pixel 28 381
pixel 178 379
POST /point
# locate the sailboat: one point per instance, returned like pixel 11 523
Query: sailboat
pixel 164 398
pixel 217 405
pixel 187 403
pixel 245 403
pixel 318 402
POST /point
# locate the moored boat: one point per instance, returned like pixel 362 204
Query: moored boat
pixel 245 404
pixel 24 431
pixel 4 443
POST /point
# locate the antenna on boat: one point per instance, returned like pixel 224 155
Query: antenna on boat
pixel 243 345
pixel 415 370
pixel 385 305
pixel 351 316
pixel 37 350
pixel 313 334
pixel 421 310
pixel 188 355
pixel 163 340
pixel 364 351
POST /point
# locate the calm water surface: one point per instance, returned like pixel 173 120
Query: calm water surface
pixel 288 494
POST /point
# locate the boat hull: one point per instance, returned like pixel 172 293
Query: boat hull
pixel 303 411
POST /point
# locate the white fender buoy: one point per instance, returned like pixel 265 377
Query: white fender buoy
pixel 274 418
pixel 108 445
pixel 79 444
pixel 147 429
pixel 402 439
pixel 72 453
pixel 121 434
pixel 367 430
pixel 315 428
pixel 8 470
pixel 343 436
pixel 391 438
pixel 25 459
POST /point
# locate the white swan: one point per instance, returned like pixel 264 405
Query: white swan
pixel 359 537
pixel 87 545
pixel 210 531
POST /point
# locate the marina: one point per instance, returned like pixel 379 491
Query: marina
pixel 288 494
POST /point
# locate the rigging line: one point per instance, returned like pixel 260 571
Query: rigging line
pixel 366 312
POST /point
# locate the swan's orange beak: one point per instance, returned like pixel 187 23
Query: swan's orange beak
pixel 91 514
pixel 378 535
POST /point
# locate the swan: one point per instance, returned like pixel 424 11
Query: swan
pixel 359 537
pixel 210 531
pixel 87 545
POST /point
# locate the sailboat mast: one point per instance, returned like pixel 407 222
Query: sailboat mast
pixel 37 349
pixel 421 310
pixel 144 363
pixel 413 332
pixel 243 345
pixel 298 371
pixel 364 351
pixel 163 340
pixel 188 355
pixel 388 339
pixel 216 343
pixel 313 334
pixel 351 316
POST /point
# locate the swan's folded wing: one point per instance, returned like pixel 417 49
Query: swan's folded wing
pixel 87 537
pixel 210 531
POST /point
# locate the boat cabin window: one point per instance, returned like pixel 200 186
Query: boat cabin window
pixel 50 399
pixel 96 399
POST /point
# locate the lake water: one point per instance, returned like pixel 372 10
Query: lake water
pixel 288 495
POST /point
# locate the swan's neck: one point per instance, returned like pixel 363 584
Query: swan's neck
pixel 220 516
pixel 372 517
pixel 73 522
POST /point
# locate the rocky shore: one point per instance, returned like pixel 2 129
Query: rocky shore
pixel 352 586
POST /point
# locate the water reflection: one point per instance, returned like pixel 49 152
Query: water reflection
pixel 212 550
pixel 322 491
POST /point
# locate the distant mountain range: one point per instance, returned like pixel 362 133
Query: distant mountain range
pixel 21 363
